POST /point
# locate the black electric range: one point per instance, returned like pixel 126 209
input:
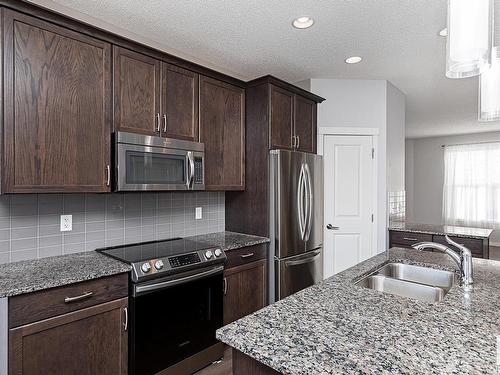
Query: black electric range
pixel 175 304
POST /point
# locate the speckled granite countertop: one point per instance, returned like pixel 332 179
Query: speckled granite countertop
pixel 337 327
pixel 38 274
pixel 441 229
pixel 230 240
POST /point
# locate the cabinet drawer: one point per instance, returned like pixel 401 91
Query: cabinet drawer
pixel 32 307
pixel 473 244
pixel 408 238
pixel 245 255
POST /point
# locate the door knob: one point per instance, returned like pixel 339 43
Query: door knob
pixel 331 227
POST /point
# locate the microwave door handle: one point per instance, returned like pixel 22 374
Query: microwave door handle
pixel 190 168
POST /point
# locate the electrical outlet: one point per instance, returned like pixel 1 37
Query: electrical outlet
pixel 66 223
pixel 198 213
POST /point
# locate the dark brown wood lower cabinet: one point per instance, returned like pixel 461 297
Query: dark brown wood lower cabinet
pixel 245 290
pixel 245 365
pixel 92 340
pixel 478 247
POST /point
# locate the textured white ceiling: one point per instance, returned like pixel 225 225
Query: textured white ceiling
pixel 249 38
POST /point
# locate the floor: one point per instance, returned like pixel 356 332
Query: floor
pixel 222 368
pixel 495 252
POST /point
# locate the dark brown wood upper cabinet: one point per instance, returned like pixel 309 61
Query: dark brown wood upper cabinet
pixel 137 92
pixel 281 123
pixel 222 129
pixel 305 124
pixel 57 108
pixel 179 103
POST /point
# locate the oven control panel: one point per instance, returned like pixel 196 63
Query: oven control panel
pixel 176 263
pixel 184 260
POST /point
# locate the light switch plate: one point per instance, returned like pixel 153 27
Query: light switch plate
pixel 66 223
pixel 198 213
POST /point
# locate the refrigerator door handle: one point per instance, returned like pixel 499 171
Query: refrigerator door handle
pixel 310 258
pixel 300 203
pixel 310 201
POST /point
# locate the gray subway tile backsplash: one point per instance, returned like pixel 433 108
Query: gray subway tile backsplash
pixel 29 223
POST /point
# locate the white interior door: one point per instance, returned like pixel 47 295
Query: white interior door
pixel 349 201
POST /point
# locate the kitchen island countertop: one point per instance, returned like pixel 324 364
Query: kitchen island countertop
pixel 336 327
pixel 451 230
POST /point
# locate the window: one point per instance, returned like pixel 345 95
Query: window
pixel 471 191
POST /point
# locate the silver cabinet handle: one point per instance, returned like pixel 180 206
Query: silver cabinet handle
pixel 125 323
pixel 157 128
pixel 249 255
pixel 298 141
pixel 293 141
pixel 410 239
pixel 225 286
pixel 108 175
pixel 331 227
pixel 79 298
pixel 165 123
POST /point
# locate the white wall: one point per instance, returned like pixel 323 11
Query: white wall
pixel 425 186
pixel 367 104
pixel 409 177
pixel 395 139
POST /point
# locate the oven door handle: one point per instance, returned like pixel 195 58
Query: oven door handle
pixel 140 289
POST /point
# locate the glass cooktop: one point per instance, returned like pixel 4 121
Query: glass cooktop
pixel 153 250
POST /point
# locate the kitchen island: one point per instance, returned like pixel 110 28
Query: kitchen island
pixel 337 327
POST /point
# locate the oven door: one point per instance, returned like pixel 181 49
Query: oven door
pixel 174 318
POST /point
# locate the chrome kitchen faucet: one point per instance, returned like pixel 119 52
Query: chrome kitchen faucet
pixel 463 259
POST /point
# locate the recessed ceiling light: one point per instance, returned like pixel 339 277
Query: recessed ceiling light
pixel 444 32
pixel 353 60
pixel 303 22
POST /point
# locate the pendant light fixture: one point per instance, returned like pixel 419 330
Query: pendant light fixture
pixel 489 89
pixel 469 40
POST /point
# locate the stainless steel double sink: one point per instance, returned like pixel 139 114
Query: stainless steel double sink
pixel 406 280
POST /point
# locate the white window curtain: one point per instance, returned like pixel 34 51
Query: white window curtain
pixel 471 191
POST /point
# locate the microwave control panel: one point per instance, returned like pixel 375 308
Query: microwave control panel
pixel 198 171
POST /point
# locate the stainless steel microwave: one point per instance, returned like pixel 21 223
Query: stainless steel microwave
pixel 154 163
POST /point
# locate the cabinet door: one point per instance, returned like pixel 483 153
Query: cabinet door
pixel 305 124
pixel 57 102
pixel 179 100
pixel 222 129
pixel 244 290
pixel 281 118
pixel 137 92
pixel 87 341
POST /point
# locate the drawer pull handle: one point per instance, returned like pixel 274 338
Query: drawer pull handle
pixel 225 286
pixel 410 239
pixel 249 255
pixel 79 298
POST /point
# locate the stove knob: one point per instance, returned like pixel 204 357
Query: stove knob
pixel 218 252
pixel 146 267
pixel 209 254
pixel 159 264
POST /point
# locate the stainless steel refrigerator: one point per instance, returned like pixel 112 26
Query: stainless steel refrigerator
pixel 296 222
